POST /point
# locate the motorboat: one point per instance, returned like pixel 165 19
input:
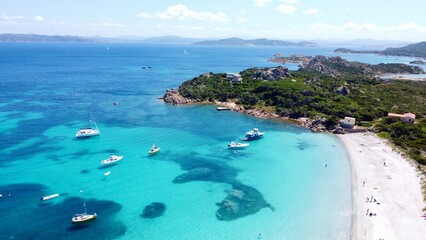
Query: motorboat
pixel 237 145
pixel 253 135
pixel 154 149
pixel 112 160
pixel 93 130
pixel 223 108
pixel 48 197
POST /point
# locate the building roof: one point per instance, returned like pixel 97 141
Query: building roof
pixel 410 115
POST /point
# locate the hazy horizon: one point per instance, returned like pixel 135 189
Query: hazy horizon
pixel 249 19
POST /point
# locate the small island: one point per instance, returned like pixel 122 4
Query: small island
pixel 412 50
pixel 418 62
pixel 295 58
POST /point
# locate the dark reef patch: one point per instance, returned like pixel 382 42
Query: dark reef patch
pixel 84 171
pixel 153 210
pixel 242 200
pixel 204 169
pixel 27 219
pixel 302 145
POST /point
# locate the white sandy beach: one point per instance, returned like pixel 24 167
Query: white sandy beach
pixel 391 192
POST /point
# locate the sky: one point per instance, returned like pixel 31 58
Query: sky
pixel 272 19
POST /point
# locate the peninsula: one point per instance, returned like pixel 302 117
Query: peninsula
pixel 412 50
pixel 324 91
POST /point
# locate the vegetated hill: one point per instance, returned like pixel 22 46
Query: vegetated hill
pixel 337 66
pixel 412 50
pixel 42 38
pixel 315 94
pixel 256 42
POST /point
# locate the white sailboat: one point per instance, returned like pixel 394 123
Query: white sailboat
pixel 83 217
pixel 90 131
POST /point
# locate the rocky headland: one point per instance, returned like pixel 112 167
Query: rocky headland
pixel 337 66
pixel 295 58
pixel 412 50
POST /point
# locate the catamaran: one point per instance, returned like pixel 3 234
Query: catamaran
pixel 83 217
pixel 89 131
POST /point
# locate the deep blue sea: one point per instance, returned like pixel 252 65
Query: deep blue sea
pixel 46 93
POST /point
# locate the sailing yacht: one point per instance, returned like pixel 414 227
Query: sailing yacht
pixel 83 217
pixel 89 131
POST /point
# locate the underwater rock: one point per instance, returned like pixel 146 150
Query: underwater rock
pixel 241 201
pixel 153 210
pixel 85 171
pixel 201 173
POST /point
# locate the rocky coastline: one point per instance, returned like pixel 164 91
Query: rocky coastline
pixel 172 96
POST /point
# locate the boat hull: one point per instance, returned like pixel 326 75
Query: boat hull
pixel 111 162
pixel 45 198
pixel 83 218
pixel 87 133
pixel 154 151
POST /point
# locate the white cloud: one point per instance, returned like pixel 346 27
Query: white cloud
pixel 11 18
pixel 144 15
pixel 180 27
pixel 38 18
pixel 106 25
pixel 409 27
pixel 351 26
pixel 311 11
pixel 286 9
pixel 181 12
pixel 242 20
pixel 353 30
pixel 290 1
pixel 322 26
pixel 261 3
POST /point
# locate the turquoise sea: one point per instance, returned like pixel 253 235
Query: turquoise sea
pixel 47 91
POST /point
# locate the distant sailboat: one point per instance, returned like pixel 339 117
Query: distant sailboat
pixel 90 131
pixel 184 51
pixel 107 48
pixel 83 217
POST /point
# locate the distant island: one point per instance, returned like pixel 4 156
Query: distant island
pixel 295 58
pixel 255 42
pixel 412 50
pixel 42 38
pixel 325 90
pixel 419 62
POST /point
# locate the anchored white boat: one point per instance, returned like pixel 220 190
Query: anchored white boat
pixel 93 130
pixel 111 160
pixel 223 108
pixel 83 217
pixel 237 145
pixel 48 197
pixel 154 149
pixel 253 135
